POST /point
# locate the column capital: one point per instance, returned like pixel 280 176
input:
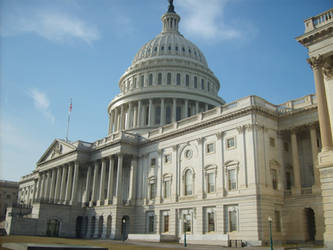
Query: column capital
pixel 328 68
pixel 220 134
pixel 316 62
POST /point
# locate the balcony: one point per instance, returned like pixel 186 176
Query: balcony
pixel 319 20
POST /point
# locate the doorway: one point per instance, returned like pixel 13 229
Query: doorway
pixel 124 227
pixel 53 226
pixel 310 224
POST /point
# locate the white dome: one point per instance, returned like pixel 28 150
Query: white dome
pixel 170 44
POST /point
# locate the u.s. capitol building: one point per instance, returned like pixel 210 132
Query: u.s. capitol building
pixel 178 158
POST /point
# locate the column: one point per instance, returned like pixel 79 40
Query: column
pixel 57 188
pixel 111 116
pixel 186 109
pixel 314 148
pixel 110 182
pixel 174 108
pixel 52 188
pixel 88 184
pixel 162 112
pixel 69 184
pixel 115 123
pixel 42 186
pixel 47 185
pixel 196 107
pixel 63 184
pixel 324 122
pixel 135 116
pixel 122 117
pixel 102 184
pixel 296 165
pixel 34 192
pixel 39 187
pixel 130 116
pixel 139 121
pixel 150 112
pixel 119 179
pixel 131 195
pixel 93 195
pixel 74 199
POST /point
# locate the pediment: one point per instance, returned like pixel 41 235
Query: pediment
pixel 56 149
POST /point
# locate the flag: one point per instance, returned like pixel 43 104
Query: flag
pixel 70 107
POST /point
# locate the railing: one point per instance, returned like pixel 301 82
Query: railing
pixel 319 20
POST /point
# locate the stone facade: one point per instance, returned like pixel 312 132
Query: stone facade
pixel 8 196
pixel 177 158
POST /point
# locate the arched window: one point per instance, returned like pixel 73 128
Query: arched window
pixel 188 182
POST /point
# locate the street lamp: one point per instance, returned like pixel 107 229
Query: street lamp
pixel 184 226
pixel 124 228
pixel 270 232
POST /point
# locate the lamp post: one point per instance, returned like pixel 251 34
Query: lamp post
pixel 124 228
pixel 270 232
pixel 185 245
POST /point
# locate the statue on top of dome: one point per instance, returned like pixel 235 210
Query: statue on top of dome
pixel 171 7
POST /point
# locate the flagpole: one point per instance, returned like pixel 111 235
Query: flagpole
pixel 68 119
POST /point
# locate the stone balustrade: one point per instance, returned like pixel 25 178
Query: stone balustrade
pixel 319 20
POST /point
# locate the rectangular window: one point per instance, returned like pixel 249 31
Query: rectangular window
pixel 166 223
pixel 151 223
pixel 274 179
pixel 142 81
pixel 211 221
pixel 231 143
pixel 210 148
pixel 272 141
pixel 195 82
pixel 169 78
pixel 286 146
pixel 208 86
pixel 167 158
pixel 288 180
pixel 150 79
pixel 211 182
pixel 157 115
pixel 202 84
pixel 187 80
pixel 232 179
pixel 277 221
pixel 159 79
pixel 178 79
pixel 233 223
pixel 167 189
pixel 152 162
pixel 152 190
pixel 135 83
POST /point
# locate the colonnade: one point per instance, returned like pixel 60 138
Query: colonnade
pixel 153 112
pixel 297 187
pixel 59 184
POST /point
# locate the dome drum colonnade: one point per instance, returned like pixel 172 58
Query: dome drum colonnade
pixel 169 80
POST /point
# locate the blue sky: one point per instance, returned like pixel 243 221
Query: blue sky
pixel 52 51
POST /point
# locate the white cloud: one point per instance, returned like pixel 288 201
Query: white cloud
pixel 206 20
pixel 52 25
pixel 42 103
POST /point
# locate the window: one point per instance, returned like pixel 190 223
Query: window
pixel 202 83
pixel 8 196
pixel 210 148
pixel 286 146
pixel 211 182
pixel 157 115
pixel 167 158
pixel 165 223
pixel 168 114
pixel 271 141
pixel 288 180
pixel 231 143
pixel 187 80
pixel 233 224
pixel 159 79
pixel 150 222
pixel 195 82
pixel 277 218
pixel 178 79
pixel 169 78
pixel 150 79
pixel 274 179
pixel 188 182
pixel 178 113
pixel 167 188
pixel 152 191
pixel 232 179
pixel 211 220
pixel 153 162
pixel 208 86
pixel 142 80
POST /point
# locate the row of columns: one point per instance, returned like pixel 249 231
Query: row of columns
pixel 296 162
pixel 59 185
pixel 140 114
pixel 96 183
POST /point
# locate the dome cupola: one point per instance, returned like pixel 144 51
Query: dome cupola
pixel 168 80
